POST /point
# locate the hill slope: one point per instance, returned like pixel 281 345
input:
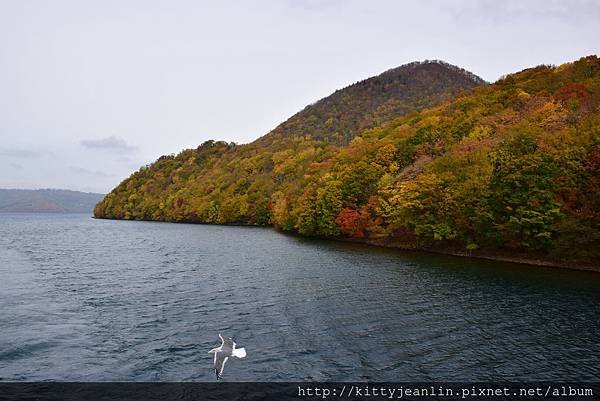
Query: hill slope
pixel 229 183
pixel 512 166
pixel 47 201
pixel 369 103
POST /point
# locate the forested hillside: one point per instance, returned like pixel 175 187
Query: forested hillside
pixel 228 183
pixel 369 103
pixel 510 166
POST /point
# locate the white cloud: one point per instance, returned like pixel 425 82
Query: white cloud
pixel 111 143
pixel 81 170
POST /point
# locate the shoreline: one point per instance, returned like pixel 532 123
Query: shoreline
pixel 519 257
pixel 516 256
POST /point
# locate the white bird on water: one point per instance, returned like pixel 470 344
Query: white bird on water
pixel 222 354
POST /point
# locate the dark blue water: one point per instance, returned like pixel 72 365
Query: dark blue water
pixel 85 299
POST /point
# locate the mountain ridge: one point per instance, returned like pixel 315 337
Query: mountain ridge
pixel 394 92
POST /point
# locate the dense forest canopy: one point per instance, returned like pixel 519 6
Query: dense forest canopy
pixel 512 165
pixel 369 103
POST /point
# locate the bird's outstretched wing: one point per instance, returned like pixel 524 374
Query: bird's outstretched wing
pixel 220 359
pixel 239 352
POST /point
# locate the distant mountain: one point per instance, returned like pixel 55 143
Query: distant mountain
pixel 47 201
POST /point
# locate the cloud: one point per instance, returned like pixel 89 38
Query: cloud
pixel 19 153
pixel 316 5
pixel 508 11
pixel 111 143
pixel 16 166
pixel 85 171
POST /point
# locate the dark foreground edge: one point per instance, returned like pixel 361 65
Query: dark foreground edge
pixel 46 391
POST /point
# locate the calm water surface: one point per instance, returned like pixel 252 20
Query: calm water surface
pixel 84 299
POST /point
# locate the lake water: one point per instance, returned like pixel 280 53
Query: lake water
pixel 84 299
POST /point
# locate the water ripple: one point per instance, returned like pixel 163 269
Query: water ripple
pixel 86 299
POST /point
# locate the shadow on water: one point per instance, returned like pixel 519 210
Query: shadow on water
pixel 462 265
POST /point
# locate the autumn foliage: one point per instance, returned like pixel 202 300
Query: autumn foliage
pixel 512 165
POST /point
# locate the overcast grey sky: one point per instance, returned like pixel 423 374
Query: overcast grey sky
pixel 92 90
